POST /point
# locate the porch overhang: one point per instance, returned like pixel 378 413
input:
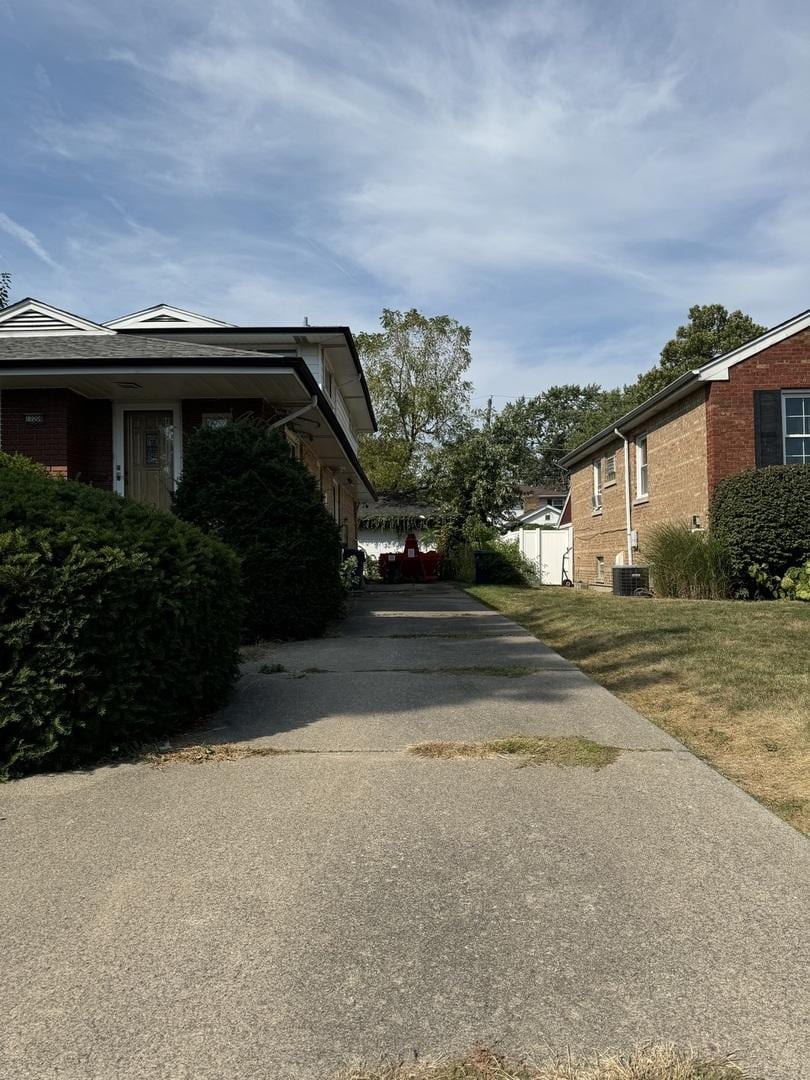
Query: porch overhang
pixel 285 382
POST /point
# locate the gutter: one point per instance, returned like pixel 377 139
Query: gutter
pixel 164 365
pixel 677 388
pixel 627 506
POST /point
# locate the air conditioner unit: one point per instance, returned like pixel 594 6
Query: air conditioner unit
pixel 627 580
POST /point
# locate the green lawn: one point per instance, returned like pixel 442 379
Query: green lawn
pixel 729 679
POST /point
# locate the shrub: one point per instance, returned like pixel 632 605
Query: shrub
pixel 763 517
pixel 687 564
pixel 117 622
pixel 501 560
pixel 795 585
pixel 240 484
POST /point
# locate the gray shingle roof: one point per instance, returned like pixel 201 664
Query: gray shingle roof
pixel 111 347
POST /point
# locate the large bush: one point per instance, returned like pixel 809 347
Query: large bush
pixel 763 517
pixel 687 564
pixel 117 622
pixel 240 483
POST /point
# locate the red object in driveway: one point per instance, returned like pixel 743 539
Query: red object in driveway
pixel 410 564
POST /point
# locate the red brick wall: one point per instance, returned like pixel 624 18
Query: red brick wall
pixel 75 439
pixel 730 407
pixel 47 442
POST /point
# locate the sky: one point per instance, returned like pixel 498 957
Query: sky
pixel 567 178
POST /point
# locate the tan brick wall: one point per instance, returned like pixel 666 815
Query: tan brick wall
pixel 677 482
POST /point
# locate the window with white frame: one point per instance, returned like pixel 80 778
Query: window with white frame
pixel 600 569
pixel 610 469
pixel 796 427
pixel 597 484
pixel 642 481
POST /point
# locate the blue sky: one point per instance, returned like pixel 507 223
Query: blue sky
pixel 565 177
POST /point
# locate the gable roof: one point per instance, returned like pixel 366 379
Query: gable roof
pixel 30 317
pixel 163 316
pixel 541 511
pixel 54 348
pixel 715 370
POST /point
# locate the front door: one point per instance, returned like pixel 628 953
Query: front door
pixel 149 456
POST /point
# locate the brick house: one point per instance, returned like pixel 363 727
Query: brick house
pixel 113 404
pixel 747 409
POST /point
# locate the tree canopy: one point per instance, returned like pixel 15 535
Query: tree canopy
pixel 473 462
pixel 415 366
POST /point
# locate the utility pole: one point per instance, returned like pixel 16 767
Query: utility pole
pixel 489 412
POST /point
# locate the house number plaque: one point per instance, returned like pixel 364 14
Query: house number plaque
pixel 35 418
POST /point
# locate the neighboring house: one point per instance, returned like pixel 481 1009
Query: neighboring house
pixel 546 515
pixel 112 404
pixel 384 524
pixel 537 496
pixel 747 409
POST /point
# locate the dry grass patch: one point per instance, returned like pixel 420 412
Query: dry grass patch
pixel 210 752
pixel 662 1062
pixel 562 750
pixel 729 679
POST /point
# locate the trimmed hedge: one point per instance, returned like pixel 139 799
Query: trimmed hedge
pixel 763 517
pixel 240 484
pixel 117 622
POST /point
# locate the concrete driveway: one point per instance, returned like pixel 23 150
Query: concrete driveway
pixel 275 917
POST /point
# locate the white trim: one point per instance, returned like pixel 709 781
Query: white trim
pixel 180 318
pixel 70 325
pixel 119 408
pixel 126 368
pixel 596 474
pixel 645 494
pixel 785 395
pixel 717 370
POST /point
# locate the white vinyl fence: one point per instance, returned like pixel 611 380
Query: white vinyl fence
pixel 546 548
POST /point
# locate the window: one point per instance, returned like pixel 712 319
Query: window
pixel 597 484
pixel 600 569
pixel 642 486
pixel 610 469
pixel 796 416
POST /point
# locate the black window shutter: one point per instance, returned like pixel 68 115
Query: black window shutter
pixel 768 427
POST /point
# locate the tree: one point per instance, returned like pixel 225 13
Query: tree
pixel 415 369
pixel 549 422
pixel 477 475
pixel 710 332
pixel 5 287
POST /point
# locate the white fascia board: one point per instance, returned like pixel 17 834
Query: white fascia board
pixel 71 324
pixel 717 370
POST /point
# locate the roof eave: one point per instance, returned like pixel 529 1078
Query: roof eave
pixel 671 393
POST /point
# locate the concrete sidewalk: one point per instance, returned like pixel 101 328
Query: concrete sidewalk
pixel 274 917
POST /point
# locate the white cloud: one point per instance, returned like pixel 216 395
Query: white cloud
pixel 26 237
pixel 568 179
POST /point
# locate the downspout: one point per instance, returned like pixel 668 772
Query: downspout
pixel 627 513
pixel 313 404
